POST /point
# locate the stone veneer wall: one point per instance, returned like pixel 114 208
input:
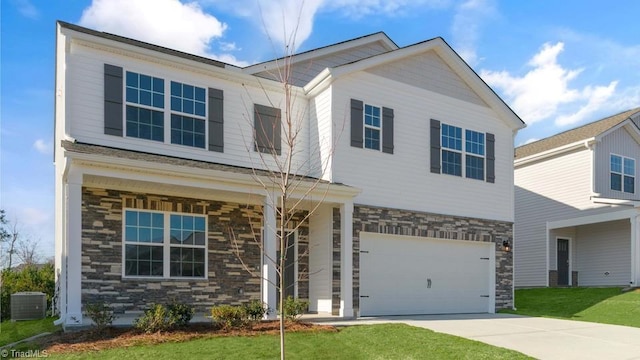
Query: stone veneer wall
pixel 228 282
pixel 410 223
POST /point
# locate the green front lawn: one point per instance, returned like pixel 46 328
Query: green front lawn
pixel 386 341
pixel 601 305
pixel 11 332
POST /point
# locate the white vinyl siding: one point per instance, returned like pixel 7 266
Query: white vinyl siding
pixel 603 253
pixel 554 189
pixel 321 134
pixel 405 181
pixel 321 259
pixel 620 143
pixel 85 111
pixel 428 71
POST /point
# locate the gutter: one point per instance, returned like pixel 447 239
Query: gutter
pixel 587 144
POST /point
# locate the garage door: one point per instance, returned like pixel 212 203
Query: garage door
pixel 406 275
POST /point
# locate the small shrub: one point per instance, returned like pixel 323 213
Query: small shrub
pixel 294 308
pixel 180 314
pixel 101 314
pixel 154 319
pixel 229 317
pixel 256 310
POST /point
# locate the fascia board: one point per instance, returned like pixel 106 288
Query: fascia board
pixel 555 151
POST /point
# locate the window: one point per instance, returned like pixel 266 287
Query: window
pixel 474 146
pixel 453 153
pixel 451 150
pixel 144 94
pixel 623 170
pixel 372 127
pixel 188 129
pixel 164 245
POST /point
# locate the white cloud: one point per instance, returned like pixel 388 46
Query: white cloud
pixel 469 17
pixel 42 146
pixel 32 217
pixel 229 46
pixel 529 141
pixel 170 23
pixel 280 19
pixel 538 94
pixel 26 9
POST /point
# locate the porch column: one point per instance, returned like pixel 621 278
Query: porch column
pixel 269 275
pixel 346 259
pixel 635 250
pixel 73 249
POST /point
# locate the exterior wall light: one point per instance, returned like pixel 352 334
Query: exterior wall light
pixel 506 246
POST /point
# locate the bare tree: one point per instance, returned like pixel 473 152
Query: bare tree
pixel 27 251
pixel 10 235
pixel 288 180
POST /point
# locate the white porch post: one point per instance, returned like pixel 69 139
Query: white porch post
pixel 635 250
pixel 269 275
pixel 73 249
pixel 346 259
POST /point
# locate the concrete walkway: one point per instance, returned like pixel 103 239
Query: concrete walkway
pixel 541 338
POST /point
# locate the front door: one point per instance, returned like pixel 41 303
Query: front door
pixel 289 266
pixel 563 262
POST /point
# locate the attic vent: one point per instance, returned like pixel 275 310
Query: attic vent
pixel 28 305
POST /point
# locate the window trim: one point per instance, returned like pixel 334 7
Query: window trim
pixel 166 110
pixel 365 126
pixel 166 246
pixel 622 174
pixel 463 152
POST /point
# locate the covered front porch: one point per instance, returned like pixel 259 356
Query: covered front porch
pixel 595 250
pixel 241 230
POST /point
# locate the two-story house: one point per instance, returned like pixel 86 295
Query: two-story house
pixel 407 156
pixel 576 206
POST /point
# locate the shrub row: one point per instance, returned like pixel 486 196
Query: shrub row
pixel 176 315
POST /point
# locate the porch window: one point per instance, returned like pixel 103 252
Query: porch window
pixel 622 173
pixel 164 245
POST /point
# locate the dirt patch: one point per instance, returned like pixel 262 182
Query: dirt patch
pixel 91 340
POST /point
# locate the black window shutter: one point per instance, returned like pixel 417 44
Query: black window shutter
pixel 435 146
pixel 491 158
pixel 113 100
pixel 267 129
pixel 216 120
pixel 356 123
pixel 387 130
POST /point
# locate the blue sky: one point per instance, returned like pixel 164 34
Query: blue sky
pixel 558 64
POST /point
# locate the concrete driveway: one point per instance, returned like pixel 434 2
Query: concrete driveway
pixel 538 337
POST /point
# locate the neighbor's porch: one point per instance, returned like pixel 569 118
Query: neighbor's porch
pixel 595 250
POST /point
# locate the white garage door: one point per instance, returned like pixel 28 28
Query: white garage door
pixel 406 275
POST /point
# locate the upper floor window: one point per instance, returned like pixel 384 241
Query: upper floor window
pixel 164 244
pixel 474 146
pixel 372 127
pixel 144 94
pixel 188 129
pixel 623 170
pixel 453 153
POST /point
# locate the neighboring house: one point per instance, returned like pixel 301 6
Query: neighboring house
pixel 577 195
pixel 154 151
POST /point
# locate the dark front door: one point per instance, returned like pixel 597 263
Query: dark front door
pixel 563 262
pixel 289 266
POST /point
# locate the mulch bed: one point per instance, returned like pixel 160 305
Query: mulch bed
pixel 91 340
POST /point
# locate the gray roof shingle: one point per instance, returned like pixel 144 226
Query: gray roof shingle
pixel 570 136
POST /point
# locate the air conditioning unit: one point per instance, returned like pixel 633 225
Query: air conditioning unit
pixel 28 306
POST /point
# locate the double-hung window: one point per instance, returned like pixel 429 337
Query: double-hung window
pixel 188 115
pixel 164 245
pixel 145 102
pixel 372 127
pixel 622 173
pixel 451 150
pixel 456 158
pixel 474 146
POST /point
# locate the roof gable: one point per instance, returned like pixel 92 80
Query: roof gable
pixel 448 56
pixel 306 65
pixel 584 132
